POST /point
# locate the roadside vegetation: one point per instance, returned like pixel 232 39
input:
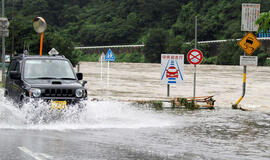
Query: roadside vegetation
pixel 164 26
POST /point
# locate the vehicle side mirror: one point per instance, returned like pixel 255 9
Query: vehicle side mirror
pixel 79 76
pixel 15 75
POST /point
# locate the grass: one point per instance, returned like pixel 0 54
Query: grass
pixel 157 104
pixel 124 57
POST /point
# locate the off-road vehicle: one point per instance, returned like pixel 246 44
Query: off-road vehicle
pixel 50 79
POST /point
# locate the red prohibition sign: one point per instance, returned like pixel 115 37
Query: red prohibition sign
pixel 195 56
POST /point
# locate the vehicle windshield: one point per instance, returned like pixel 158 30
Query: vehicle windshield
pixel 48 69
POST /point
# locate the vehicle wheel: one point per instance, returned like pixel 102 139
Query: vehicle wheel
pixel 5 94
pixel 21 103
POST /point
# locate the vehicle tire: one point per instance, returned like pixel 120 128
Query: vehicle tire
pixel 21 102
pixel 5 93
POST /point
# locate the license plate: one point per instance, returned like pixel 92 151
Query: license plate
pixel 59 104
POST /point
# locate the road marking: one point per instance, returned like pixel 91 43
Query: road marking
pixel 35 155
pixel 46 156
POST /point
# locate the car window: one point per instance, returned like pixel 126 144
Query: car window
pixel 12 66
pixel 46 68
pixel 17 68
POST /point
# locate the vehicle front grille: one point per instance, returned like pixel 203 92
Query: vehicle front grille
pixel 58 93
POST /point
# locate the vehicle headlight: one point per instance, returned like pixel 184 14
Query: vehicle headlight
pixel 35 92
pixel 79 93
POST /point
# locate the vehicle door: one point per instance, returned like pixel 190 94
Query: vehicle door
pixel 17 83
pixel 9 81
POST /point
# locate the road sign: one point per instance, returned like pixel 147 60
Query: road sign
pixel 248 60
pixel 172 67
pixel 250 13
pixel 249 43
pixel 4 23
pixel 109 56
pixel 195 56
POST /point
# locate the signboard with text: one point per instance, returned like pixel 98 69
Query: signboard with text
pixel 248 60
pixel 172 67
pixel 250 13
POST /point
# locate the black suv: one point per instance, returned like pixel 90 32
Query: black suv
pixel 50 79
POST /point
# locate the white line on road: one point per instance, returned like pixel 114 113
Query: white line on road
pixel 34 155
pixel 46 156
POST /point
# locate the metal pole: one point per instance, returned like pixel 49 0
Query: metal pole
pixel 108 74
pixel 3 47
pixel 168 90
pixel 194 82
pixel 78 67
pixel 12 43
pixel 101 66
pixel 41 43
pixel 243 88
pixel 196 32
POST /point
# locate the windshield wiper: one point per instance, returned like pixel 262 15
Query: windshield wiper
pixel 45 78
pixel 67 78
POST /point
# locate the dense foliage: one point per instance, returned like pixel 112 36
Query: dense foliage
pixel 163 25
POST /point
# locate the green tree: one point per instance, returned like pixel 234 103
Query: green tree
pixel 155 45
pixel 264 22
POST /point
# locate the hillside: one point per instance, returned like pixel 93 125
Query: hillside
pixel 110 22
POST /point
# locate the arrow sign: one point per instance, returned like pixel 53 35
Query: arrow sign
pixel 109 56
pixel 195 56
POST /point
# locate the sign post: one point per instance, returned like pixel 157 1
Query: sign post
pixel 172 67
pixel 195 57
pixel 101 59
pixel 109 57
pixel 249 43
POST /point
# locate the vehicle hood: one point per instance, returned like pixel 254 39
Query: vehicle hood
pixel 40 83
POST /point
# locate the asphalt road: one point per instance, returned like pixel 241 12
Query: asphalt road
pixel 58 145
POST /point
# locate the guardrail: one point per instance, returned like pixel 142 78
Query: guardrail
pixel 112 46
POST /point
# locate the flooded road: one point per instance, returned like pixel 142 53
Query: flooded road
pixel 111 129
pixel 142 81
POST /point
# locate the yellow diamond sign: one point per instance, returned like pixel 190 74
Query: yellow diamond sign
pixel 249 43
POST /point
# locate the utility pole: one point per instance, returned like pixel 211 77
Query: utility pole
pixel 13 21
pixel 3 46
pixel 4 33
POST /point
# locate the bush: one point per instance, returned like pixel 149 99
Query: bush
pixel 267 62
pixel 262 58
pixel 89 57
pixel 157 104
pixel 125 57
pixel 130 57
pixel 155 45
pixel 229 53
pixel 210 60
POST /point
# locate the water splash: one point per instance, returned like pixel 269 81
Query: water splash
pixel 96 115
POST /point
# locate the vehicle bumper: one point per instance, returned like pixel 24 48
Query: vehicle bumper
pixel 48 100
